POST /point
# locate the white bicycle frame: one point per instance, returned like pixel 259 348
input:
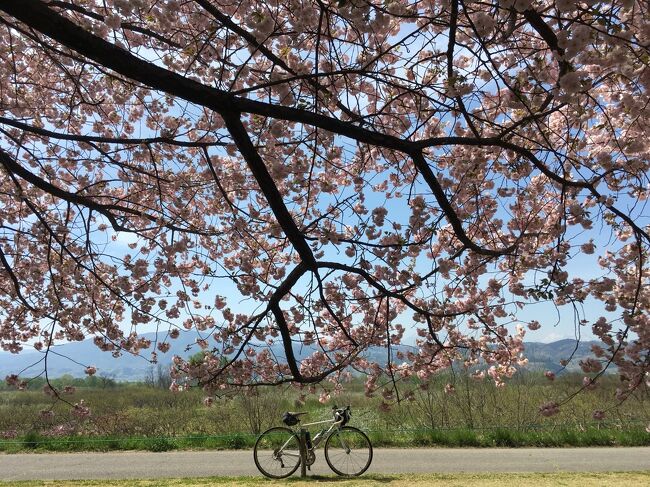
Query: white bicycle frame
pixel 317 439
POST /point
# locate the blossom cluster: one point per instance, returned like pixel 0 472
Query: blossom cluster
pixel 327 177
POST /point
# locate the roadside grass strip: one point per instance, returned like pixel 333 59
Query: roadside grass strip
pixel 435 480
pixel 413 438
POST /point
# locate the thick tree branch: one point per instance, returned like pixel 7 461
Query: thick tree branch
pixel 268 187
pixel 35 14
pixel 450 213
pixel 546 33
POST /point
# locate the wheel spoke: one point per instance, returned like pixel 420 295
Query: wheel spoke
pixel 348 452
pixel 277 453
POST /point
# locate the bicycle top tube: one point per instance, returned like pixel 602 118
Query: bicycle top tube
pixel 335 422
pixel 319 422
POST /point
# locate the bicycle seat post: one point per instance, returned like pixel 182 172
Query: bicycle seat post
pixel 303 452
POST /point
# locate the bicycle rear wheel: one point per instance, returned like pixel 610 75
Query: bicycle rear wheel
pixel 348 451
pixel 277 452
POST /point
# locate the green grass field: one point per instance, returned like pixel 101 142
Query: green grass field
pixel 136 416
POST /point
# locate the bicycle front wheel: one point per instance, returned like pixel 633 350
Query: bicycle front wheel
pixel 348 451
pixel 277 452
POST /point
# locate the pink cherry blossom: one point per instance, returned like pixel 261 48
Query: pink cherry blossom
pixel 549 409
pixel 81 410
pixel 9 434
pixel 589 383
pixel 329 178
pixel 534 325
pixel 46 414
pixel 571 82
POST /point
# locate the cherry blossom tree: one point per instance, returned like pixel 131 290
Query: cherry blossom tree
pixel 327 176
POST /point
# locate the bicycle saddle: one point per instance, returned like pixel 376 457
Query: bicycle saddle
pixel 292 418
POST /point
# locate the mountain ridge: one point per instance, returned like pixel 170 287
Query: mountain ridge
pixel 70 358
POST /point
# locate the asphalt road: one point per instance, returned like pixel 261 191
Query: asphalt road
pixel 127 465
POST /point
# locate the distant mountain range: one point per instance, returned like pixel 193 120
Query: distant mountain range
pixel 71 358
pixel 547 356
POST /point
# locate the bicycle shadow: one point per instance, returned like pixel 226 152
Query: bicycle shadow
pixel 336 479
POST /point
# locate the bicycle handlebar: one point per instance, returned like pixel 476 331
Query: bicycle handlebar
pixel 341 415
pixel 335 407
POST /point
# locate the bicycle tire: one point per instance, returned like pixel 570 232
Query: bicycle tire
pixel 265 452
pixel 348 451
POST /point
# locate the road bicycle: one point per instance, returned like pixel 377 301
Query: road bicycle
pixel 279 450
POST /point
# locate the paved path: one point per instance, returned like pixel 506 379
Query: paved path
pixel 125 465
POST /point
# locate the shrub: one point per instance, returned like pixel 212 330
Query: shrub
pixel 32 440
pixel 159 444
pixel 236 442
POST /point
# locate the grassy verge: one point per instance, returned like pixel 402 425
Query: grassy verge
pixel 36 443
pixel 414 438
pixel 455 480
pixel 514 438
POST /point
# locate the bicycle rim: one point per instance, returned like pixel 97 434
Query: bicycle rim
pixel 277 453
pixel 348 451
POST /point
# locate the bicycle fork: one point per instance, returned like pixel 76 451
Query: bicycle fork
pixel 344 445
